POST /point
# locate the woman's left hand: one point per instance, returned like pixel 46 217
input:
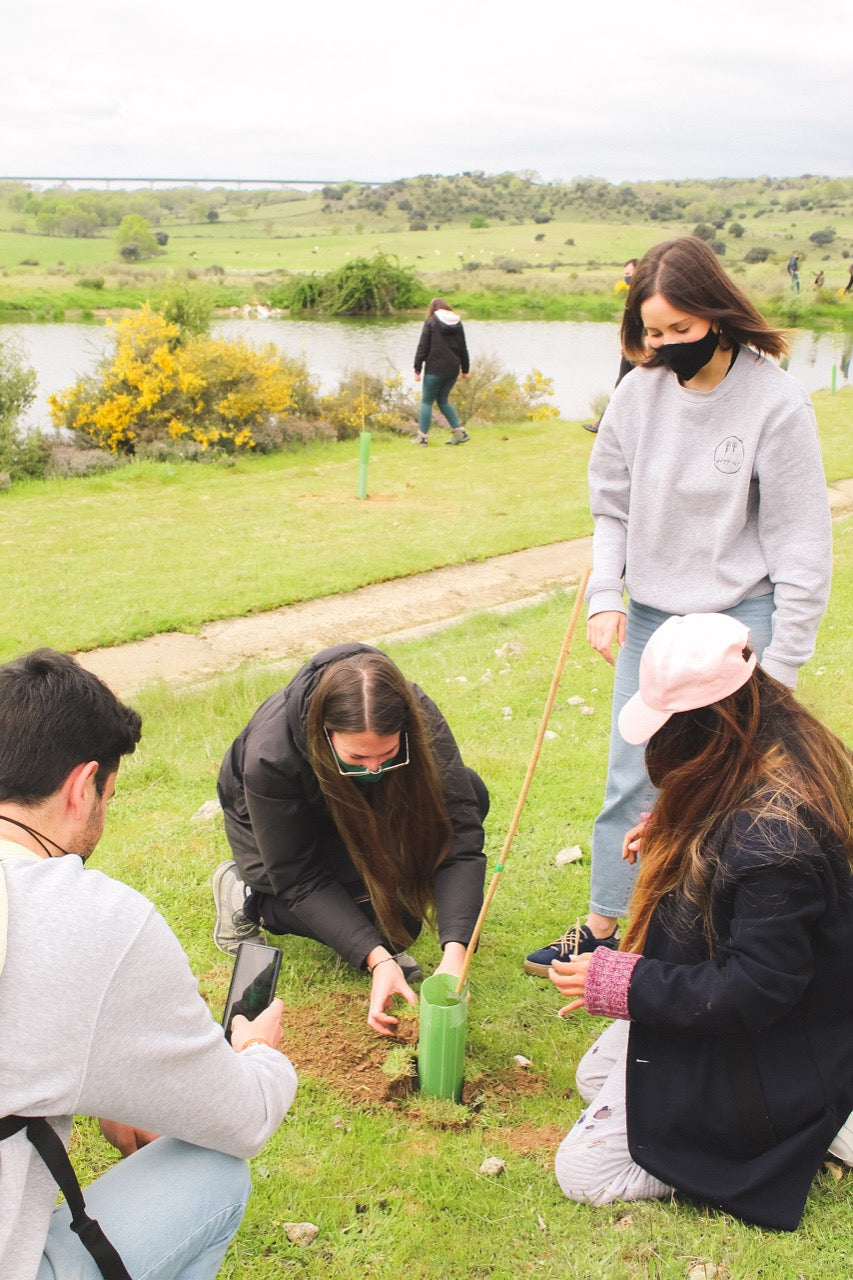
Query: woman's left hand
pixel 569 977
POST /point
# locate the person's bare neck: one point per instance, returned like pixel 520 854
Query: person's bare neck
pixel 18 823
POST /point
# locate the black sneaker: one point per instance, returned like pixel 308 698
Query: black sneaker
pixel 575 941
pixel 412 971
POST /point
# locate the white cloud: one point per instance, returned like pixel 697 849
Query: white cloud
pixel 382 90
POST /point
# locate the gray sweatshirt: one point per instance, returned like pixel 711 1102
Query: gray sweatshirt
pixel 704 499
pixel 101 1016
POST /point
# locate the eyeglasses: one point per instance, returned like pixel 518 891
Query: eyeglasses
pixel 349 770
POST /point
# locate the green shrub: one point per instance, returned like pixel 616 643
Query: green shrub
pixel 22 454
pixel 364 287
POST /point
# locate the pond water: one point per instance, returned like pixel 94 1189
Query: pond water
pixel 580 358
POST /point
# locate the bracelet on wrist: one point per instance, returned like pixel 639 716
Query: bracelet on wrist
pixel 384 959
pixel 254 1040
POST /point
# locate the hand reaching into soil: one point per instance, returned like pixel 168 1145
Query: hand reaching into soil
pixel 387 982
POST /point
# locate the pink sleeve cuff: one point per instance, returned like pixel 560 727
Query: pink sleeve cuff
pixel 607 981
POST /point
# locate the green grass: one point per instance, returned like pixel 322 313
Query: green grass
pixel 160 547
pixel 569 272
pixel 396 1190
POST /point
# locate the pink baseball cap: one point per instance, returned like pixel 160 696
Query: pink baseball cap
pixel 689 662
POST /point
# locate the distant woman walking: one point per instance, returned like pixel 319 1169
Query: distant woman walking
pixel 443 355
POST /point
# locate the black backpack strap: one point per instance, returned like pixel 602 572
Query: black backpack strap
pixel 49 1145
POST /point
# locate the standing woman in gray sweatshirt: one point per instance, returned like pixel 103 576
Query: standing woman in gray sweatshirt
pixel 442 354
pixel 708 496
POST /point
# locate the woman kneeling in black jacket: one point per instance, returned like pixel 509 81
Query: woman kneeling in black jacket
pixel 729 1071
pixel 352 820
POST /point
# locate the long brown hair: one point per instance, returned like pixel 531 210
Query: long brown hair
pixel 686 271
pixel 396 831
pixel 758 751
pixel 437 304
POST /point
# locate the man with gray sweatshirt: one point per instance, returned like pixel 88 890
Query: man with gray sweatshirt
pixel 100 1013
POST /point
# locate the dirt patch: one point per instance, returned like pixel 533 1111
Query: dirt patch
pixel 330 1043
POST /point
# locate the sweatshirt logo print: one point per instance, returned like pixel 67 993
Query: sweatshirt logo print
pixel 728 455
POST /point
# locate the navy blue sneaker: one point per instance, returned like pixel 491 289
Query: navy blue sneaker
pixel 575 941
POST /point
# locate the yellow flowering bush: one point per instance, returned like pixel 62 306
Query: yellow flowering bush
pixel 491 394
pixel 161 383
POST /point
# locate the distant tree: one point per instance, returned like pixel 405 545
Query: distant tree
pixel 212 215
pixel 135 234
pixel 736 230
pixel 78 223
pixel 757 254
pixel 824 237
pixel 704 231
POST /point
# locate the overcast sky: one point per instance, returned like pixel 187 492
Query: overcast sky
pixel 325 90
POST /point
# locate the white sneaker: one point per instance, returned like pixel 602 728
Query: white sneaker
pixel 229 897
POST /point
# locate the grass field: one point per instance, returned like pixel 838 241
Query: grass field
pixel 394 1186
pixel 164 547
pixel 575 256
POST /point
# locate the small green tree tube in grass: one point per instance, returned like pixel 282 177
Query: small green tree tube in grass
pixel 441 1041
pixel 363 462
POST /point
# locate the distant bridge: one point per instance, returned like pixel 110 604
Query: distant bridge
pixel 56 180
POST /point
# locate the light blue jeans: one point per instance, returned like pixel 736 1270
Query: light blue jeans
pixel 436 388
pixel 170 1210
pixel 628 791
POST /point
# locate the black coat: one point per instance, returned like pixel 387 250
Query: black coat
pixel 285 842
pixel 740 1066
pixel 442 349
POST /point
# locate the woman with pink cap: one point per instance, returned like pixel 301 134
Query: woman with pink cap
pixel 727 1074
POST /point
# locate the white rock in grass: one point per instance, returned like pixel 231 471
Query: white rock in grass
pixel 549 733
pixel 702 1271
pixel 493 1166
pixel 301 1233
pixel 576 701
pixel 571 853
pixel 510 650
pixel 521 1061
pixel 587 711
pixel 208 810
pixel 506 712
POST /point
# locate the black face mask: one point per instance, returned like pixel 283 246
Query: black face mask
pixel 685 359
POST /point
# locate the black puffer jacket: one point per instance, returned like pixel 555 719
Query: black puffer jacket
pixel 285 841
pixel 442 348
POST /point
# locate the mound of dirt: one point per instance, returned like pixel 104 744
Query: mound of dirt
pixel 329 1042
